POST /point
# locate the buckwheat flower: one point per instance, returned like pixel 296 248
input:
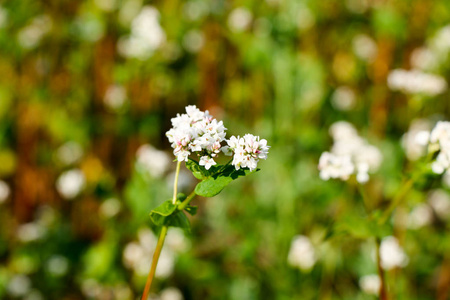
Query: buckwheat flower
pixel 302 254
pixel 365 47
pixel 370 284
pixel 207 162
pixel 4 191
pixel 19 285
pixel 154 161
pixel 239 19
pixel 30 232
pixel 392 254
pixel 70 153
pixel 350 154
pixel 171 293
pixel 70 183
pixel 247 150
pixel 115 97
pixel 31 35
pixel 334 166
pixel 416 140
pixel 57 265
pixel 343 98
pixel 416 82
pixel 440 141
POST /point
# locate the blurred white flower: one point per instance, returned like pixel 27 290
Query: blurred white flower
pixel 415 141
pixel 30 36
pixel 110 208
pixel 30 232
pixel 58 265
pixel 439 200
pixel 440 43
pixel 155 162
pixel 138 255
pixel 392 254
pixel 115 97
pixel 423 59
pixel 302 254
pixel 370 284
pixel 19 285
pixel 420 216
pixel 193 41
pixel 70 153
pixel 247 151
pixel 365 47
pixel 70 183
pixel 5 191
pixel 3 17
pixel 171 293
pixel 239 19
pixel 185 180
pixel 177 241
pixel 416 82
pixel 343 98
pixel 440 141
pixel 350 154
pixel 91 288
pixel 146 35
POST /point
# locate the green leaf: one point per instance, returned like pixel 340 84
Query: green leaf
pixel 160 214
pixel 192 210
pixel 215 184
pixel 198 171
pixel 180 220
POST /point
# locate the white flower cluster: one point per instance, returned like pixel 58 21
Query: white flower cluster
pixel 349 155
pixel 440 141
pixel 416 82
pixel 415 141
pixel 153 161
pixel 392 254
pixel 247 150
pixel 70 183
pixel 302 254
pixel 146 36
pixel 370 284
pixel 197 131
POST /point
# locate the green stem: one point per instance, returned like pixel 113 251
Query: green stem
pixel 151 274
pixel 397 200
pixel 162 237
pixel 383 289
pixel 185 203
pixel 175 184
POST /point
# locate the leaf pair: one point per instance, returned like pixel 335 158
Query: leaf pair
pixel 168 214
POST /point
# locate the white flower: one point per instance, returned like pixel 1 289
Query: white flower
pixel 365 47
pixel 440 141
pixel 439 200
pixel 239 19
pixel 415 141
pixel 19 285
pixel 70 183
pixel 350 154
pixel 154 161
pixel 171 293
pixel 370 284
pixel 115 96
pixel 334 166
pixel 146 35
pixel 343 98
pixel 420 216
pixel 392 255
pixel 30 36
pixel 416 82
pixel 196 131
pixel 58 265
pixel 301 254
pixel 247 150
pixel 207 161
pixel 4 191
pixel 30 232
pixel 110 208
pixel 70 153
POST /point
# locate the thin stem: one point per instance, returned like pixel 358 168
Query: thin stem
pixel 162 237
pixel 175 184
pixel 185 203
pixel 151 274
pixel 397 200
pixel 383 289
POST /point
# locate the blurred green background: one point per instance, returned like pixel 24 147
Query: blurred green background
pixel 87 90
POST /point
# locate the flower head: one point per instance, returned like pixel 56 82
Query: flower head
pixel 247 150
